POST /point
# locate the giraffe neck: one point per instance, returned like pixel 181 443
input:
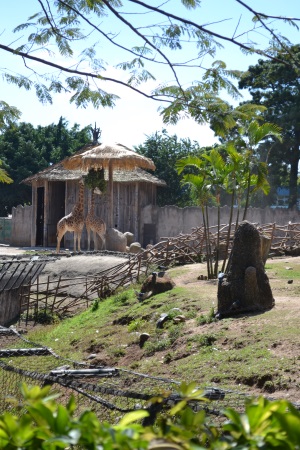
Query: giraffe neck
pixel 79 205
pixel 92 205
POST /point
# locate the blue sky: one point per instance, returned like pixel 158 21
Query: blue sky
pixel 135 117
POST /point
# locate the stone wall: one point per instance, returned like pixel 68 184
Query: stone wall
pixel 21 226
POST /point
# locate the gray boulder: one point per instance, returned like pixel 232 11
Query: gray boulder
pixel 129 237
pixel 115 240
pixel 135 247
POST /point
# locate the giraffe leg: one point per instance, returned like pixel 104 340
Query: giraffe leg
pixel 75 239
pixel 60 235
pixel 95 236
pixel 89 238
pixel 100 238
pixel 103 242
pixel 58 245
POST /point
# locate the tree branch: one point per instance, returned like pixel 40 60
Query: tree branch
pixel 145 39
pixel 78 72
pixel 211 33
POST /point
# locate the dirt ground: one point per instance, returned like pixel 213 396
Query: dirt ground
pixel 66 264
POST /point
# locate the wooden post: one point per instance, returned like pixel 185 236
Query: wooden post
pixel 33 214
pixel 111 195
pixel 46 213
pixel 136 211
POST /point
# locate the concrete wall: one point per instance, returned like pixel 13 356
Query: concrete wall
pixel 5 230
pixel 21 226
pixel 171 220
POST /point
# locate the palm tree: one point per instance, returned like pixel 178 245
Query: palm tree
pixel 252 135
pixel 218 172
pixel 200 183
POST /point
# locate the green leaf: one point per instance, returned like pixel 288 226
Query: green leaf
pixel 133 416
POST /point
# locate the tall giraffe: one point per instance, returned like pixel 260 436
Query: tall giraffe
pixel 73 221
pixel 95 224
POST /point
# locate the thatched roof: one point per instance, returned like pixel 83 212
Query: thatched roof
pixel 100 156
pixel 57 172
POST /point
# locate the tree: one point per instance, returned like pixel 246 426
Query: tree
pixel 277 86
pixel 25 150
pixel 8 115
pixel 165 150
pixel 150 36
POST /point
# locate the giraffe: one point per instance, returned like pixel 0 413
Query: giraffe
pixel 73 221
pixel 94 224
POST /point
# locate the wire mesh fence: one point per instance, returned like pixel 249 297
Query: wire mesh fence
pixel 108 391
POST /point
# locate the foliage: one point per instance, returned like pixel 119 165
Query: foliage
pixel 8 115
pixel 207 318
pixel 25 150
pixel 136 325
pixel 95 179
pixel 43 316
pixel 4 178
pixel 95 305
pixel 275 85
pixel 164 150
pixel 77 30
pixel 49 425
pixel 233 168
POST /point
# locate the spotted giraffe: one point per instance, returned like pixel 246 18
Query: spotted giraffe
pixel 95 224
pixel 73 221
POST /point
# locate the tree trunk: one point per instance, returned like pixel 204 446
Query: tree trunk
pixel 294 175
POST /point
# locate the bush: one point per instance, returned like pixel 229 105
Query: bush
pixel 47 424
pixel 209 318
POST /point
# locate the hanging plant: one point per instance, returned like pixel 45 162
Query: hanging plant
pixel 95 179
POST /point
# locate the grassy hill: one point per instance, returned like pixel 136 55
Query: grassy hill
pixel 256 353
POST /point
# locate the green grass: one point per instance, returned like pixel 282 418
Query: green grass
pixel 245 352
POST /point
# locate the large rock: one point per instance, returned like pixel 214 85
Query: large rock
pixel 115 240
pixel 245 287
pixel 129 237
pixel 135 248
pixel 156 283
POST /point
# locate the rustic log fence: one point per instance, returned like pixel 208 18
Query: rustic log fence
pixel 57 297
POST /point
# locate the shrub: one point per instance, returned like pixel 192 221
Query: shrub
pixel 95 305
pixel 44 423
pixel 136 325
pixel 122 297
pixel 209 318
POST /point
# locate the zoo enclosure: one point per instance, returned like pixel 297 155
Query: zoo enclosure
pixel 63 296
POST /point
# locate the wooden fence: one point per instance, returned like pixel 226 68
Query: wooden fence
pixel 56 297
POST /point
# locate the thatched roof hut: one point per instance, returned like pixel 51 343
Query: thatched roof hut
pixel 55 192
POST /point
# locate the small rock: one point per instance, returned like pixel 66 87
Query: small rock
pixel 92 356
pixel 179 318
pixel 176 309
pixel 143 338
pixel 161 321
